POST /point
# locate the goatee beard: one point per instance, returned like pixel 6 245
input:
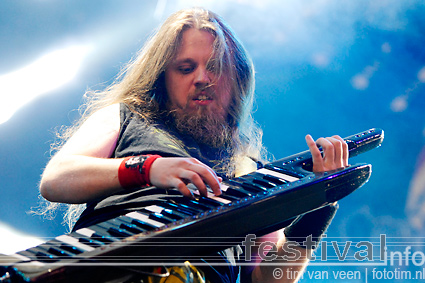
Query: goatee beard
pixel 205 128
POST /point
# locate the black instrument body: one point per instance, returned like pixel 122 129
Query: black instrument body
pixel 209 231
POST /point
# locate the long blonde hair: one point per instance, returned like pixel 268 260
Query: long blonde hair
pixel 141 83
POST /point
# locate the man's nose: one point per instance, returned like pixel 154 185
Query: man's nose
pixel 202 77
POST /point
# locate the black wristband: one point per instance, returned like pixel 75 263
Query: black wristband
pixel 307 229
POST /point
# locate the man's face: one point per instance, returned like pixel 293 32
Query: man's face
pixel 193 89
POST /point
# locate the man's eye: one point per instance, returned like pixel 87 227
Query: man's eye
pixel 185 69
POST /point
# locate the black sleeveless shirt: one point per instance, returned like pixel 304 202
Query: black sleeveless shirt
pixel 137 137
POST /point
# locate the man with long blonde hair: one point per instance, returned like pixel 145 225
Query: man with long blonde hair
pixel 179 113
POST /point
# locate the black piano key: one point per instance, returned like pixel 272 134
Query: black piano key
pixel 270 179
pixel 160 218
pixel 51 251
pixel 254 187
pixel 89 241
pixel 275 180
pixel 132 228
pixel 206 204
pixel 119 227
pixel 166 217
pixel 131 225
pixel 71 249
pixel 101 233
pixel 209 201
pixel 57 251
pixel 263 182
pixel 111 231
pixel 66 248
pixel 104 239
pixel 155 216
pixel 134 225
pixel 143 225
pixel 72 243
pixel 176 213
pixel 40 255
pixel 170 214
pixel 119 232
pixel 179 209
pixel 237 192
pixel 195 204
pixel 243 185
pixel 173 213
pixel 192 209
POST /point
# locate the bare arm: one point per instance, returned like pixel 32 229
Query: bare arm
pixel 83 170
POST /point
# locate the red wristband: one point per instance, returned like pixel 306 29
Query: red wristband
pixel 146 167
pixel 135 172
pixel 129 177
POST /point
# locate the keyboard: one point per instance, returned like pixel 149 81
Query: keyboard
pixel 172 231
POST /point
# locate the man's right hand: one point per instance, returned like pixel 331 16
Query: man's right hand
pixel 177 172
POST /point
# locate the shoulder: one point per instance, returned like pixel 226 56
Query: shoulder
pixel 97 135
pixel 106 118
pixel 109 113
pixel 105 121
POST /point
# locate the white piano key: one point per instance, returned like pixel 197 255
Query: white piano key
pixel 214 197
pixel 277 174
pixel 86 232
pixel 74 242
pixel 210 194
pixel 193 188
pixel 154 208
pixel 223 187
pixel 144 218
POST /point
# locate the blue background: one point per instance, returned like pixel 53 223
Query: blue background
pixel 322 67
